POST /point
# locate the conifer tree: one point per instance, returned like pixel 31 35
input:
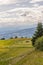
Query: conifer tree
pixel 38 33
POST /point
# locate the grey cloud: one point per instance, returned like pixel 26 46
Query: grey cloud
pixel 19 3
pixel 20 13
pixel 40 3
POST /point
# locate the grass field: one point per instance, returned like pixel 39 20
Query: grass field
pixel 19 52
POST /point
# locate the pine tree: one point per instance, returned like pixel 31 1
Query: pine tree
pixel 38 33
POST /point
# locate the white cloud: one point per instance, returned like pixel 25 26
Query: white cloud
pixel 7 1
pixel 11 1
pixel 17 1
pixel 35 5
pixel 34 1
pixel 21 17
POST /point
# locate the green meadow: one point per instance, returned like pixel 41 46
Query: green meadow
pixel 19 51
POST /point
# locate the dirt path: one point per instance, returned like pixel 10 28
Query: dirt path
pixel 13 61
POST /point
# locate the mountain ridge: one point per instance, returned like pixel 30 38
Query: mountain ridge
pixel 28 32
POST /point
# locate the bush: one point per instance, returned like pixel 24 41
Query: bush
pixel 27 41
pixel 39 44
pixel 2 38
pixel 11 37
pixel 22 37
pixel 16 37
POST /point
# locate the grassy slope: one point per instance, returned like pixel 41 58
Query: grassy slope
pixel 19 52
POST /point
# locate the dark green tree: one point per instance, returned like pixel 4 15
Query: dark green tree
pixel 2 38
pixel 38 33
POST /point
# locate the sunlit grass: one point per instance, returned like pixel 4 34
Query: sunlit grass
pixel 19 52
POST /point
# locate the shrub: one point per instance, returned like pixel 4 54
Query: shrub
pixel 16 37
pixel 2 38
pixel 11 37
pixel 22 37
pixel 39 43
pixel 27 41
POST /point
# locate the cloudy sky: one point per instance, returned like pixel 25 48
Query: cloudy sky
pixel 20 13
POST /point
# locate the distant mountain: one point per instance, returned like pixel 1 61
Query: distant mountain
pixel 26 32
pixel 20 33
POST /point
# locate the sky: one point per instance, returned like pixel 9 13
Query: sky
pixel 20 13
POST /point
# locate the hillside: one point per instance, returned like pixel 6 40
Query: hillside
pixel 19 52
pixel 20 33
